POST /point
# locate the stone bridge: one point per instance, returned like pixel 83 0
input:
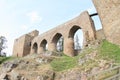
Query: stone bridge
pixel 51 37
pixel 108 11
pixel 67 30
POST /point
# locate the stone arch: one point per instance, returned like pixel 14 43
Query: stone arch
pixel 56 37
pixel 73 30
pixel 53 44
pixel 35 47
pixel 71 35
pixel 69 40
pixel 42 47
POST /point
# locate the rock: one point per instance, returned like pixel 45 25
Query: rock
pixel 81 61
pixel 39 78
pixel 8 66
pixel 83 76
pixel 4 76
pixel 52 53
pixel 93 55
pixel 43 59
pixel 47 76
pixel 23 78
pixel 69 75
pixel 42 77
pixel 94 70
pixel 102 63
pixel 16 76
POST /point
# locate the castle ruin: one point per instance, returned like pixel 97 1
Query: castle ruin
pixel 108 11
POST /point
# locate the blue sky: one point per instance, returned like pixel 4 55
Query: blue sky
pixel 18 17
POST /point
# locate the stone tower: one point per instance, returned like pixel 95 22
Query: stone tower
pixel 109 13
pixel 22 45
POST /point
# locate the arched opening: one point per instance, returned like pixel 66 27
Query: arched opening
pixel 30 44
pixel 35 48
pixel 97 22
pixel 77 35
pixel 78 39
pixel 58 42
pixel 44 45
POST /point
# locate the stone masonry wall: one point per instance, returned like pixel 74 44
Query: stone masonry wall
pixel 67 29
pixel 100 34
pixel 19 46
pixel 109 12
pixel 22 45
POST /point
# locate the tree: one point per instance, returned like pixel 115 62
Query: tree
pixel 3 41
pixel 77 44
pixel 60 44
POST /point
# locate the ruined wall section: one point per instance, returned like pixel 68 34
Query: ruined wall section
pixel 100 34
pixel 109 12
pixel 83 21
pixel 18 46
pixel 27 44
pixel 34 33
pixel 22 45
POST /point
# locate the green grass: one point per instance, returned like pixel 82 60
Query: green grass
pixel 108 51
pixel 3 59
pixel 63 63
pixel 88 64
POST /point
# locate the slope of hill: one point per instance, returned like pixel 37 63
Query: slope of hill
pixel 91 60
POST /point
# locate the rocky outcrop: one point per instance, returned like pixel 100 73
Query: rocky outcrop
pixel 37 67
pixel 31 67
pixel 69 75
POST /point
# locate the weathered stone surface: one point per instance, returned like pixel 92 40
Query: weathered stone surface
pixel 49 76
pixel 3 76
pixel 43 59
pixel 8 66
pixel 108 11
pixel 22 45
pixel 67 30
pixel 52 53
pixel 100 34
pixel 69 75
pixel 15 75
pixel 87 57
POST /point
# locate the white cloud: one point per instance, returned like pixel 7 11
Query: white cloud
pixel 34 17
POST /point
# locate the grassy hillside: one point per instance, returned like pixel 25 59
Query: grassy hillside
pixel 91 61
pixel 105 51
pixel 3 59
pixel 63 63
pixel 109 51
